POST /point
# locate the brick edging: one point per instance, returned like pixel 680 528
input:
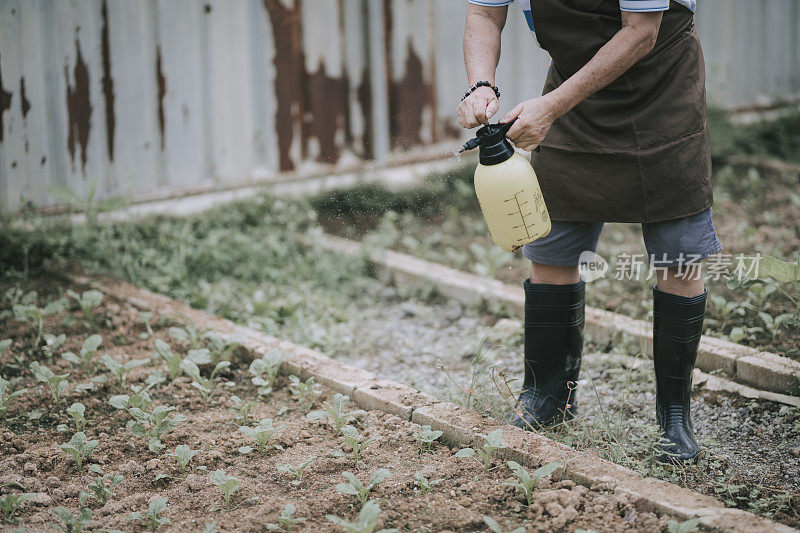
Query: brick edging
pixel 746 365
pixel 461 426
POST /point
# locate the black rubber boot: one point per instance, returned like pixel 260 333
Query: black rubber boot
pixel 677 327
pixel 553 346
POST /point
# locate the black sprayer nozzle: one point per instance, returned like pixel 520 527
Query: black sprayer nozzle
pixel 494 147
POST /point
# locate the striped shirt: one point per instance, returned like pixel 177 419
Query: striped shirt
pixel 624 5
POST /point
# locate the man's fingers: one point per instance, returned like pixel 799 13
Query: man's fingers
pixel 492 108
pixel 479 108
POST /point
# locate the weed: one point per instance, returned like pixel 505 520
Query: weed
pixel 350 440
pixel 354 487
pixel 495 527
pixel 152 515
pixel 183 454
pixel 87 300
pixel 102 484
pixel 227 485
pixel 71 523
pixel 261 433
pixel 526 481
pixel 10 504
pixel 335 413
pixel 7 395
pixel 286 520
pixel 265 369
pixel 494 441
pixel 207 387
pixel 87 354
pixel 304 391
pixel 173 360
pixel 426 437
pixel 367 520
pixel 79 447
pixel 424 484
pixel 57 383
pixel 121 370
pixel 241 408
pixel 297 471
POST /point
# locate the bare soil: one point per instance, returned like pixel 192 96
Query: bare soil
pixel 29 454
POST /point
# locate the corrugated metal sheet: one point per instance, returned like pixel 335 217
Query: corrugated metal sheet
pixel 152 97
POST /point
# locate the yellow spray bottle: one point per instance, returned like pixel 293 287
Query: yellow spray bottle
pixel 508 192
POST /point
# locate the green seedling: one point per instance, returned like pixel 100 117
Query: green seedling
pixel 188 335
pixel 227 485
pixel 201 356
pixel 7 395
pixel 10 504
pixel 183 454
pixel 29 312
pixel 304 391
pixel 211 527
pixel 494 441
pixel 71 523
pixel 673 526
pixel 57 383
pixel 241 408
pixel 286 520
pixel 222 349
pixel 152 515
pixel 526 481
pixel 495 527
pixel 152 424
pixel 172 359
pixel 774 325
pixel 261 433
pixel 207 387
pixel 51 343
pixel 87 300
pixel 423 484
pixel 354 487
pixel 297 471
pixel 5 344
pixel 350 440
pixel 426 437
pixel 76 412
pixel 102 484
pixel 336 413
pixel 121 370
pixel 87 354
pixel 265 369
pixel 146 317
pixel 80 448
pixel 367 520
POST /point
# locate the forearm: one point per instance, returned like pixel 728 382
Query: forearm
pixel 628 46
pixel 482 44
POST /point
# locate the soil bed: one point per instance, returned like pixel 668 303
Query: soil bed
pixel 31 462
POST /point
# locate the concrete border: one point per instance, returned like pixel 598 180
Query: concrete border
pixel 461 426
pixel 746 365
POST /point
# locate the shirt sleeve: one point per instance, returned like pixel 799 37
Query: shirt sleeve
pixel 642 5
pixel 491 3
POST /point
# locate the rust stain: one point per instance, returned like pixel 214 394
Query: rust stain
pixel 162 90
pixel 108 83
pixel 79 108
pixel 5 103
pixel 327 104
pixel 408 102
pixel 24 103
pixel 289 75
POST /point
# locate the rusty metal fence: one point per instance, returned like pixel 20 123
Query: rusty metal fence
pixel 148 98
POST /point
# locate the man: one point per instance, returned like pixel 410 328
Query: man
pixel 621 128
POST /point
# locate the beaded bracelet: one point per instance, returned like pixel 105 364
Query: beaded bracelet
pixel 475 85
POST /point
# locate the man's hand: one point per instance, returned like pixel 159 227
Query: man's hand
pixel 478 107
pixel 534 118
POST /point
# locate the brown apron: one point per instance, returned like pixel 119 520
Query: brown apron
pixel 637 150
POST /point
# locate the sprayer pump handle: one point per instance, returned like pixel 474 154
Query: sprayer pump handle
pixel 505 126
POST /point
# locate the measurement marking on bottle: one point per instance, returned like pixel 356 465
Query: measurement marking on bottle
pixel 522 215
